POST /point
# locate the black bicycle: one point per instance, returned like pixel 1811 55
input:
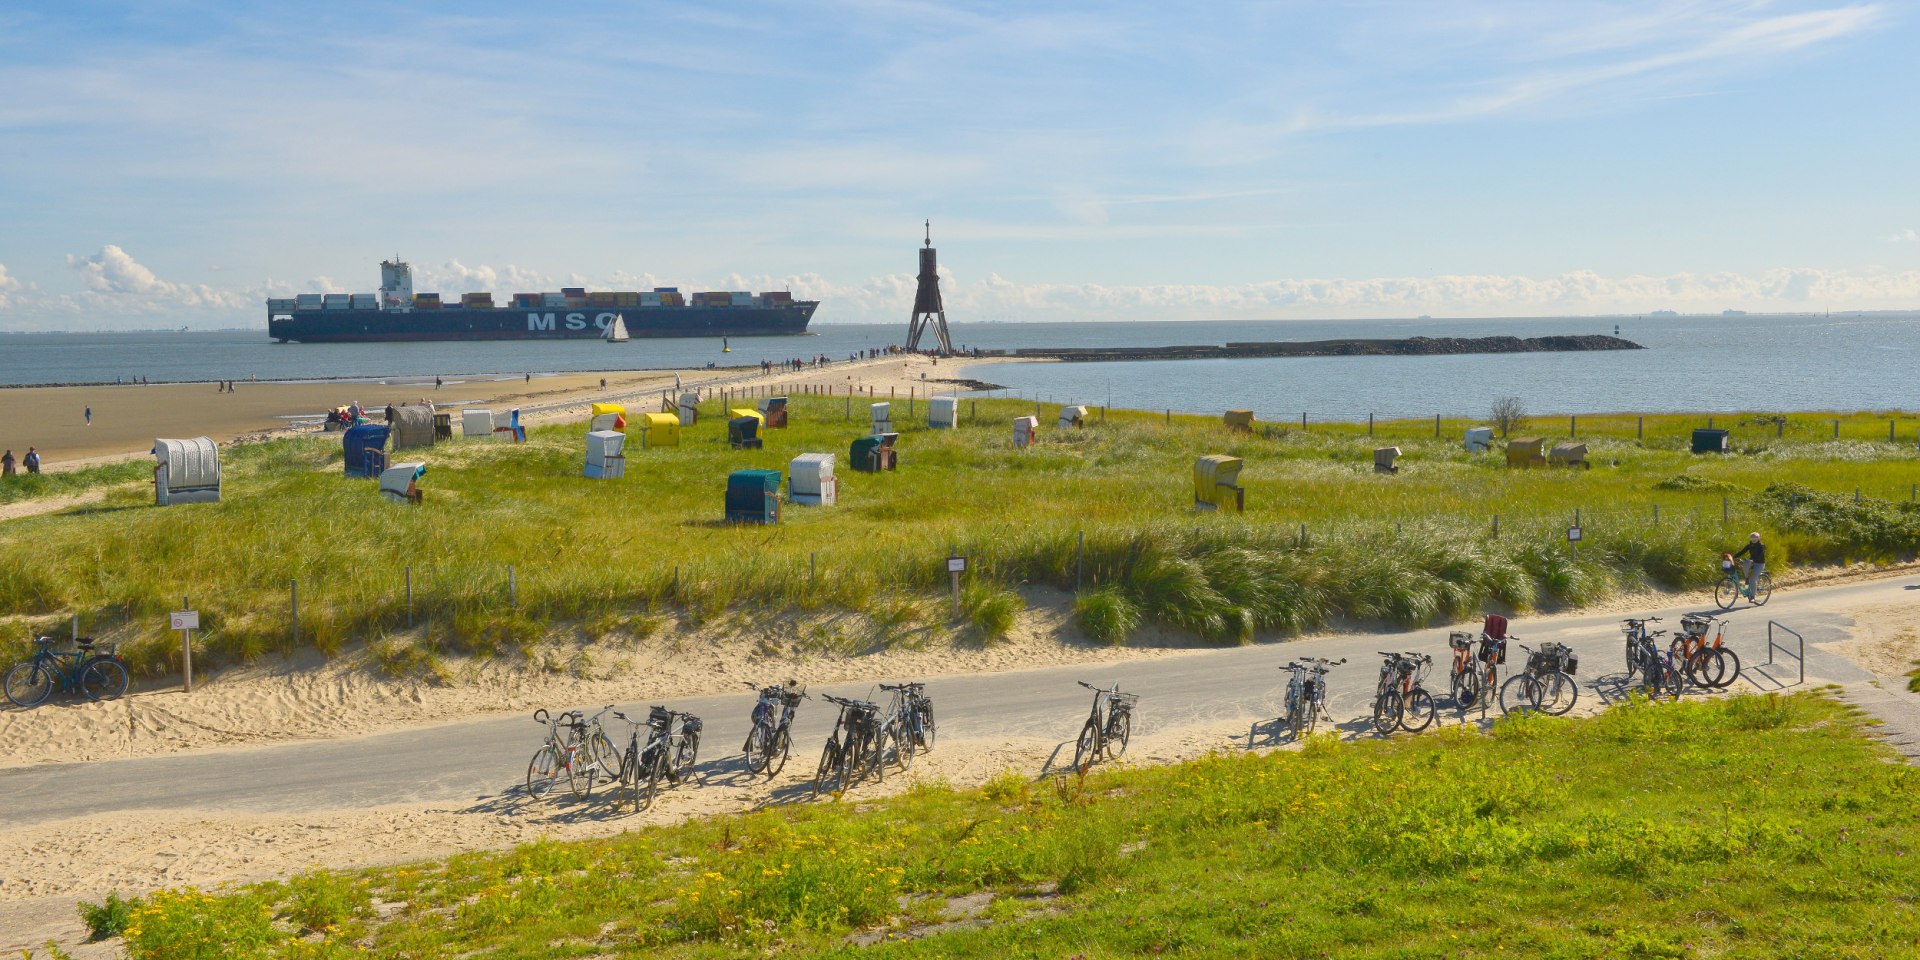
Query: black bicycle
pixel 1546 684
pixel 94 671
pixel 909 721
pixel 667 754
pixel 854 749
pixel 772 735
pixel 1108 728
pixel 1307 694
pixel 1640 646
pixel 1400 700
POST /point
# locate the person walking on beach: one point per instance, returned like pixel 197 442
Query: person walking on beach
pixel 438 383
pixel 6 464
pixel 89 416
pixel 31 461
pixel 1756 551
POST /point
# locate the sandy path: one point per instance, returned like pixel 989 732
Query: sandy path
pixel 34 508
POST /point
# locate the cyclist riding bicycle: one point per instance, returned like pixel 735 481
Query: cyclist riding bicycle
pixel 1755 551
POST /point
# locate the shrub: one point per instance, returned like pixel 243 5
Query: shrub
pixel 1107 615
pixel 107 918
pixel 991 611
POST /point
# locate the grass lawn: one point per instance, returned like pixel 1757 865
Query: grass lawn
pixel 1323 535
pixel 1745 827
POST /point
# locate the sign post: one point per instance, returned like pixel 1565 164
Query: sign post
pixel 955 567
pixel 185 621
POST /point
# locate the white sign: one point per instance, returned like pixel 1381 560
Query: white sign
pixel 1573 534
pixel 184 620
pixel 956 564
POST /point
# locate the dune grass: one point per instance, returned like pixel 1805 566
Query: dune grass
pixel 1756 826
pixel 1323 536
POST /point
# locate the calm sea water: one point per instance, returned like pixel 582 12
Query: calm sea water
pixel 1692 363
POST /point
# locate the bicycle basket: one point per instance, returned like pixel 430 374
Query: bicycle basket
pixel 659 716
pixel 1123 702
pixel 1539 661
pixel 1571 664
pixel 1494 652
pixel 1695 626
pixel 1459 641
pixel 691 725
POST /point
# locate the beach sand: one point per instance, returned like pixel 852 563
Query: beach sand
pixel 126 419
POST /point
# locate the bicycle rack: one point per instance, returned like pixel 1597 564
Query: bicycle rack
pixel 1799 655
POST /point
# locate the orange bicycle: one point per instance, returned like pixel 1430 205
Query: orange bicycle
pixel 1708 662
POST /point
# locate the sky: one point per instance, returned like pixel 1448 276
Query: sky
pixel 175 164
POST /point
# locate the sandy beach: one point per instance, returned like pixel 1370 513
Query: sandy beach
pixel 127 418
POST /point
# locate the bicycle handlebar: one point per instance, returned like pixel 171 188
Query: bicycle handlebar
pixel 898 687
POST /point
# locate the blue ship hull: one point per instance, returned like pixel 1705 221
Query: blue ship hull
pixel 537 323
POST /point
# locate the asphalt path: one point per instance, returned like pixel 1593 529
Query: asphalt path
pixel 481 760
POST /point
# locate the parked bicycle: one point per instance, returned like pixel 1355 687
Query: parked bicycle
pixel 1734 584
pixel 1108 728
pixel 909 721
pixel 557 757
pixel 1707 662
pixel 1475 672
pixel 666 755
pixel 1546 684
pixel 854 749
pixel 93 670
pixel 1640 644
pixel 772 735
pixel 1307 694
pixel 1399 700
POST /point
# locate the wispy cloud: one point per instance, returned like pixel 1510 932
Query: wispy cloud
pixel 1904 236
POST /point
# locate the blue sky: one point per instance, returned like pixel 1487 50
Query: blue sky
pixel 179 162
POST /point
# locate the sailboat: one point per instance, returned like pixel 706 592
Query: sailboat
pixel 617 330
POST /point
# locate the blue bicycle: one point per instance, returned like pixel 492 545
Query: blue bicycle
pixel 95 672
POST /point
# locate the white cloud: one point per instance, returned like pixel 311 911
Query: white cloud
pixel 1904 236
pixel 8 286
pixel 112 277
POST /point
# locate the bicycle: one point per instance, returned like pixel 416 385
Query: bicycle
pixel 668 754
pixel 909 721
pixel 772 735
pixel 1400 696
pixel 1706 662
pixel 1475 673
pixel 1731 587
pixel 1307 694
pixel 92 670
pixel 1110 723
pixel 1547 683
pixel 852 748
pixel 1640 647
pixel 556 756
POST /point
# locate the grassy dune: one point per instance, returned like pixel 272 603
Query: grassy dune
pixel 1743 828
pixel 1412 548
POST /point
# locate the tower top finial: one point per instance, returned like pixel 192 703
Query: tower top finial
pixel 929 233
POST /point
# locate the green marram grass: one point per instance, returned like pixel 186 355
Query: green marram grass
pixel 1749 827
pixel 1104 512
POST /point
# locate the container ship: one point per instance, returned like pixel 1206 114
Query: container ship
pixel 397 313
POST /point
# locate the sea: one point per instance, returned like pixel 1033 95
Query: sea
pixel 1704 363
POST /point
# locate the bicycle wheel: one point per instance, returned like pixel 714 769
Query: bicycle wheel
pixel 1558 693
pixel 777 754
pixel 579 768
pixel 1086 750
pixel 630 779
pixel 656 764
pixel 103 679
pixel 1726 593
pixel 1762 589
pixel 1417 710
pixel 1729 670
pixel 827 776
pixel 927 731
pixel 1666 681
pixel 29 684
pixel 1705 668
pixel 1633 658
pixel 1298 708
pixel 685 756
pixel 1515 695
pixel 1119 731
pixel 605 757
pixel 903 750
pixel 759 748
pixel 542 771
pixel 1386 712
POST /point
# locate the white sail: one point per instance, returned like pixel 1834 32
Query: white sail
pixel 617 331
